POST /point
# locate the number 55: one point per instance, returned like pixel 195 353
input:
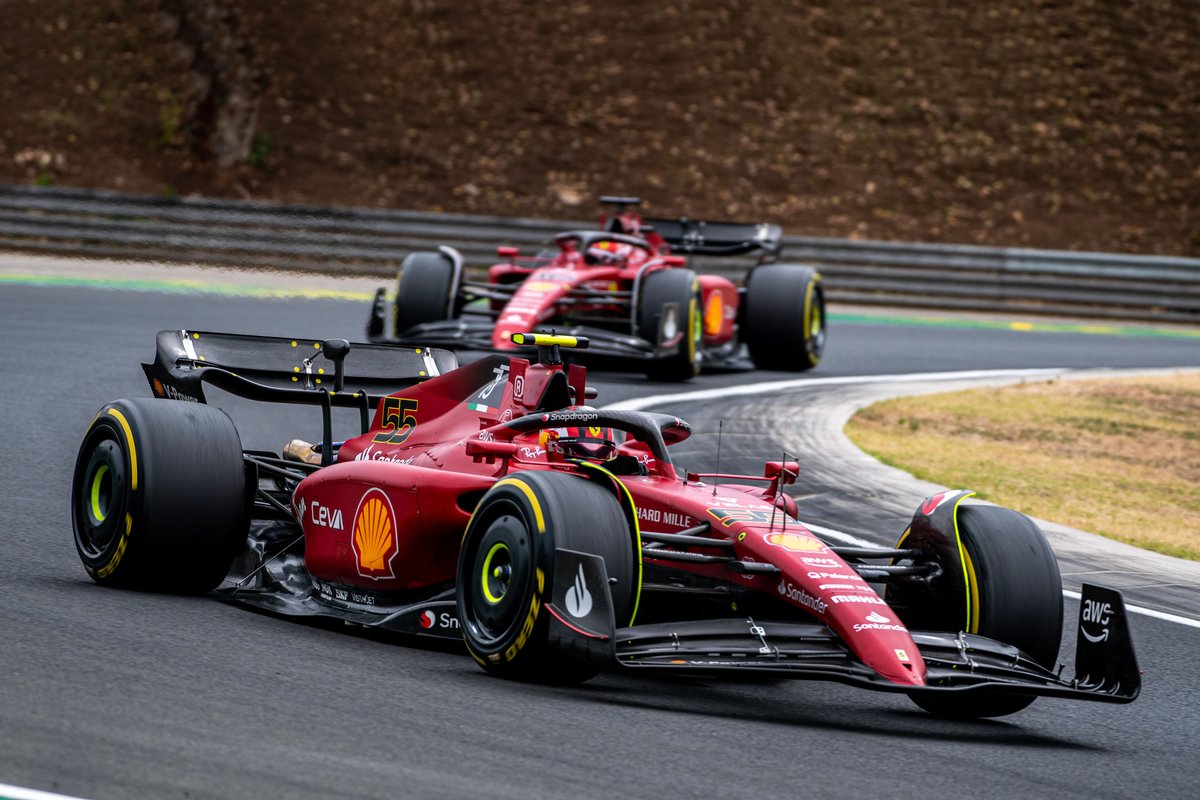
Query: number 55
pixel 398 420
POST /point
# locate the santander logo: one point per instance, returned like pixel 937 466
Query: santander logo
pixel 877 622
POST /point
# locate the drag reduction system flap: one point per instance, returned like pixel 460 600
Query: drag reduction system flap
pixel 696 237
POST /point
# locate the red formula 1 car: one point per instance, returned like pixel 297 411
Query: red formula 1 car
pixel 483 503
pixel 626 287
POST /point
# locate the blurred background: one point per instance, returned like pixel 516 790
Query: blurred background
pixel 1069 124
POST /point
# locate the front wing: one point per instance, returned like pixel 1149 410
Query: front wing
pixel 1105 668
pixel 606 349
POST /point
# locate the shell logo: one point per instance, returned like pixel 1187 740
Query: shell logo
pixel 714 314
pixel 374 539
pixel 795 542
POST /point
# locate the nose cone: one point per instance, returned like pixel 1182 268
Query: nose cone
pixel 903 666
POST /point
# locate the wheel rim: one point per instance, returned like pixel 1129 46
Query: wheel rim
pixel 816 325
pixel 695 331
pixel 100 495
pixel 496 573
pixel 502 571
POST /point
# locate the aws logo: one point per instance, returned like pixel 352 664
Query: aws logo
pixel 374 539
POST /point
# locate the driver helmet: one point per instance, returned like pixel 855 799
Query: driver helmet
pixel 592 444
pixel 606 253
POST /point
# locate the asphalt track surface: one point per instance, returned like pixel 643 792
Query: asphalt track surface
pixel 109 694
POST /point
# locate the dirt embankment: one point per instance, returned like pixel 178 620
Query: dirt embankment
pixel 1072 124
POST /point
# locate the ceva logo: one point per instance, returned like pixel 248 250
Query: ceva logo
pixel 326 517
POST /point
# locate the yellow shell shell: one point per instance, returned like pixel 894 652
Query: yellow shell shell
pixel 373 535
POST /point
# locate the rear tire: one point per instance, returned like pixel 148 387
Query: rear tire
pixel 1016 593
pixel 506 570
pixel 784 320
pixel 675 294
pixel 158 497
pixel 424 291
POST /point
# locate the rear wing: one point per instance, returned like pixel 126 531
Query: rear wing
pixel 697 237
pixel 693 236
pixel 285 370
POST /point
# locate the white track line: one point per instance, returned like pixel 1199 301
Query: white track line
pixel 1148 612
pixel 638 403
pixel 17 793
pixel 832 534
pixel 800 383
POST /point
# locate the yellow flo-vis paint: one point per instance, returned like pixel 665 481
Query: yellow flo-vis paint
pixel 972 594
pixel 533 501
pixel 968 579
pixel 535 606
pixel 133 470
pixel 108 568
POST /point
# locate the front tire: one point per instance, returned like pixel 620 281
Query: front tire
pixel 506 569
pixel 158 496
pixel 425 289
pixel 669 309
pixel 1016 593
pixel 784 320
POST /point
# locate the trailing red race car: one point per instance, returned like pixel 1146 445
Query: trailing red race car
pixel 629 289
pixel 484 503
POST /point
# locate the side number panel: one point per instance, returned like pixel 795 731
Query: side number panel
pixel 399 420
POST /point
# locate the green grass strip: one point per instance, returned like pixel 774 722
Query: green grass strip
pixel 1024 326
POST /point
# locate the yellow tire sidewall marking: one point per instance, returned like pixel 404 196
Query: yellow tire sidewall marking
pixel 527 490
pixel 133 468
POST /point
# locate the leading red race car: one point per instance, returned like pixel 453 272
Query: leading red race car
pixel 629 289
pixel 485 503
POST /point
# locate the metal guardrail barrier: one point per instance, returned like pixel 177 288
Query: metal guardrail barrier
pixel 374 241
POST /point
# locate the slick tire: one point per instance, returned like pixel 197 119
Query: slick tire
pixel 1016 594
pixel 506 570
pixel 424 291
pixel 668 311
pixel 783 323
pixel 158 498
